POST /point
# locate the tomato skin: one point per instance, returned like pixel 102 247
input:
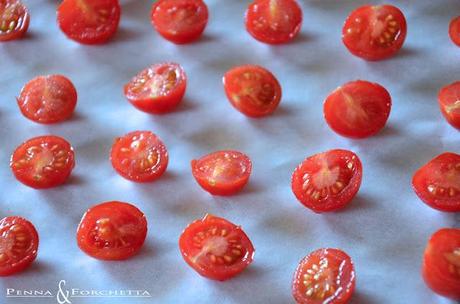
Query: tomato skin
pixel 454 30
pixel 21 23
pixel 449 105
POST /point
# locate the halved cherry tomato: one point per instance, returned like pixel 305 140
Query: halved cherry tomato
pixel 441 263
pixel 180 21
pixel 89 21
pixel 112 231
pixel 327 181
pixel 274 21
pixel 18 244
pixel 449 103
pixel 139 156
pixel 252 90
pixel 454 30
pixel 358 109
pixel 43 162
pixel 437 183
pixel 324 276
pixel 48 99
pixel 222 172
pixel 14 19
pixel 375 32
pixel 157 89
pixel 216 248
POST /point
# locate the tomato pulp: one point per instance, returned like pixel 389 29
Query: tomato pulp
pixel 449 103
pixel 14 20
pixel 454 30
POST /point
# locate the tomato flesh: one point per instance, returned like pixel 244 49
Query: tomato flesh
pixel 43 162
pixel 375 32
pixel 454 30
pixel 112 231
pixel 216 248
pixel 274 21
pixel 449 103
pixel 327 181
pixel 14 20
pixel 324 276
pixel 441 263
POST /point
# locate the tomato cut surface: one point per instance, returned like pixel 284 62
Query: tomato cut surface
pixel 274 21
pixel 441 263
pixel 222 172
pixel 89 21
pixel 437 183
pixel 324 276
pixel 180 21
pixel 139 156
pixel 449 103
pixel 48 99
pixel 157 89
pixel 112 231
pixel 216 248
pixel 14 20
pixel 43 162
pixel 327 181
pixel 252 90
pixel 454 30
pixel 375 32
pixel 358 109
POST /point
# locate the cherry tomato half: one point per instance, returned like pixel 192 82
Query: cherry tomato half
pixel 14 20
pixel 454 30
pixel 43 162
pixel 222 172
pixel 180 21
pixel 449 103
pixel 441 263
pixel 89 21
pixel 324 276
pixel 358 109
pixel 216 248
pixel 437 183
pixel 18 244
pixel 157 89
pixel 374 32
pixel 274 21
pixel 112 231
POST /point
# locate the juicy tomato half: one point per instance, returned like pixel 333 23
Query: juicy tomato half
pixel 449 103
pixel 358 109
pixel 157 89
pixel 139 156
pixel 274 21
pixel 18 244
pixel 112 231
pixel 437 183
pixel 252 90
pixel 454 30
pixel 324 276
pixel 222 172
pixel 89 21
pixel 180 21
pixel 374 32
pixel 327 181
pixel 14 19
pixel 216 248
pixel 441 263
pixel 48 99
pixel 43 162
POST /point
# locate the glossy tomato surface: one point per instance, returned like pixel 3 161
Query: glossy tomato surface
pixel 216 248
pixel 449 103
pixel 375 32
pixel 14 20
pixel 112 231
pixel 43 162
pixel 454 30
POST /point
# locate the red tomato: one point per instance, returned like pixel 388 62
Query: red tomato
pixel 222 172
pixel 437 183
pixel 112 231
pixel 89 21
pixel 14 20
pixel 324 276
pixel 454 30
pixel 375 32
pixel 441 263
pixel 216 248
pixel 180 21
pixel 48 99
pixel 449 103
pixel 358 109
pixel 252 90
pixel 18 244
pixel 327 181
pixel 157 89
pixel 139 156
pixel 274 21
pixel 43 162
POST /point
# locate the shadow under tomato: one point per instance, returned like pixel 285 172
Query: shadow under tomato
pixel 361 298
pixel 125 34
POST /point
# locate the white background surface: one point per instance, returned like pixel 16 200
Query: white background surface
pixel 384 230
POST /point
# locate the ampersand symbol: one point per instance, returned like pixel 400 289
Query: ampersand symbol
pixel 62 295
